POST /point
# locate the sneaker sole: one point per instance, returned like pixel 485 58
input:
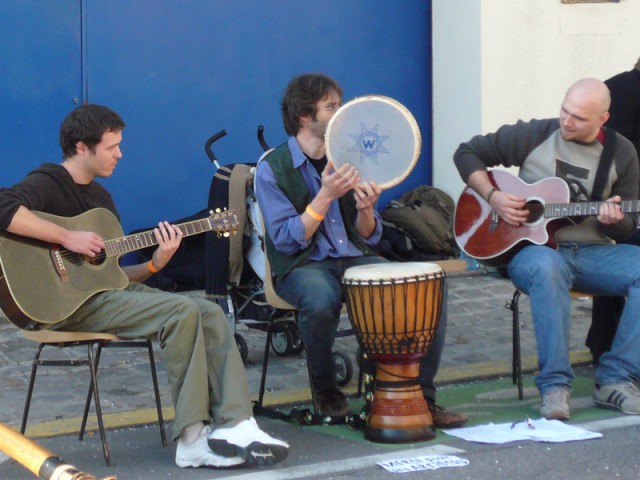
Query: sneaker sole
pixel 255 454
pixel 556 415
pixel 560 417
pixel 186 464
pixel 613 406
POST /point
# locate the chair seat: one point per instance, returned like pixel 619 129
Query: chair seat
pixel 60 339
pixel 55 336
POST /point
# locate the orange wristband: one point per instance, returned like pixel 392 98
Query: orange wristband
pixel 151 268
pixel 313 214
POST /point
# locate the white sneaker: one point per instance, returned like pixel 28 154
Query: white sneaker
pixel 247 441
pixel 198 454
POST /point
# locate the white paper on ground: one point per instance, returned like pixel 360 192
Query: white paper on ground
pixel 541 430
pixel 425 462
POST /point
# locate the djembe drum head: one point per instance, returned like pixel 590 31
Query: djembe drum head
pixel 394 308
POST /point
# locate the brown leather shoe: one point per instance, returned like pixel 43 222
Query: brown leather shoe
pixel 332 403
pixel 443 418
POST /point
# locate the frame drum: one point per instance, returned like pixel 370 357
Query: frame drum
pixel 378 136
pixel 394 309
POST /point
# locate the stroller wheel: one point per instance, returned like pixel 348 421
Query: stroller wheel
pixel 242 346
pixel 344 368
pixel 297 346
pixel 281 342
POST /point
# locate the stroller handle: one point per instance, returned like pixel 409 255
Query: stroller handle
pixel 263 142
pixel 207 146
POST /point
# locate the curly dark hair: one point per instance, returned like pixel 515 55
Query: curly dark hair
pixel 301 96
pixel 87 124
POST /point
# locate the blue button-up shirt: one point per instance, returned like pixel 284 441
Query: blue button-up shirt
pixel 284 223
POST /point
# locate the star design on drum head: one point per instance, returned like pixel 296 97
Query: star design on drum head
pixel 369 143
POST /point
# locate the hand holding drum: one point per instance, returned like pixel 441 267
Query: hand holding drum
pixel 378 136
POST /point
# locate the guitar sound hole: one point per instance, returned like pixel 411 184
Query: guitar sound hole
pixel 536 211
pixel 96 261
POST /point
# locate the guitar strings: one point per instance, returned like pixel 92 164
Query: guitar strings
pixel 198 226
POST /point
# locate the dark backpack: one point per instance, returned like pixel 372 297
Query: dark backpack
pixel 418 226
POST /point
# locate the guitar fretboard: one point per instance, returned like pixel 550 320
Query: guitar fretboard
pixel 137 241
pixel 585 208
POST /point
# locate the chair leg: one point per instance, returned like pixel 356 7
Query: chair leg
pixel 87 403
pixel 265 364
pixel 517 353
pixel 156 391
pixel 32 379
pixel 360 362
pixel 314 402
pixel 96 396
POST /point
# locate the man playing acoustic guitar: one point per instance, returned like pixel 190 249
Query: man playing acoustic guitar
pixel 596 163
pixel 207 379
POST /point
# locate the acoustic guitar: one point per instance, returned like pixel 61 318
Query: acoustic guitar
pixel 484 236
pixel 42 284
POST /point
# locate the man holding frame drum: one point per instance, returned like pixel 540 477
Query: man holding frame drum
pixel 320 220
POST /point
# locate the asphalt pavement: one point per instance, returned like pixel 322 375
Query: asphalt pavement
pixel 474 377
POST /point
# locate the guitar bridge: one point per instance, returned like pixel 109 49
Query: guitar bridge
pixel 495 219
pixel 58 264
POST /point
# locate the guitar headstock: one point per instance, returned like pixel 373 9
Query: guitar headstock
pixel 224 222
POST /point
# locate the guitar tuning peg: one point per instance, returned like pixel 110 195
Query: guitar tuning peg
pixel 226 234
pixel 218 210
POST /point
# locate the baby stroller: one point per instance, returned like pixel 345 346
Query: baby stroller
pixel 243 289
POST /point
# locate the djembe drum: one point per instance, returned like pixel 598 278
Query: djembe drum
pixel 394 309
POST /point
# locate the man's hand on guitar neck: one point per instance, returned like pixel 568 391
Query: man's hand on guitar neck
pixel 610 211
pixel 169 237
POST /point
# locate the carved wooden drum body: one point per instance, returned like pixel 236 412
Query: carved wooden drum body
pixel 394 309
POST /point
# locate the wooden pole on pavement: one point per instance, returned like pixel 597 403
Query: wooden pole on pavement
pixel 37 459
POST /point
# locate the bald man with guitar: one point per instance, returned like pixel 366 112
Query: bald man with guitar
pixel 555 227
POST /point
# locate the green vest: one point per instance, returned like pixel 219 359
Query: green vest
pixel 291 182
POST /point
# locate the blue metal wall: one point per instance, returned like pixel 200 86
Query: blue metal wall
pixel 180 71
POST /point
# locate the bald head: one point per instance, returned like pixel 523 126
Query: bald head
pixel 584 110
pixel 593 92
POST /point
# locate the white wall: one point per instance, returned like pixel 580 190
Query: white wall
pixel 530 52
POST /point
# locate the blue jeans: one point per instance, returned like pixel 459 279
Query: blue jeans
pixel 315 289
pixel 547 275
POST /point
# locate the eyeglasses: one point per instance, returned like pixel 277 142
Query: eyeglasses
pixel 332 107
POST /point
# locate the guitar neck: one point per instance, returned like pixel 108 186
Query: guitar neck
pixel 138 241
pixel 553 210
